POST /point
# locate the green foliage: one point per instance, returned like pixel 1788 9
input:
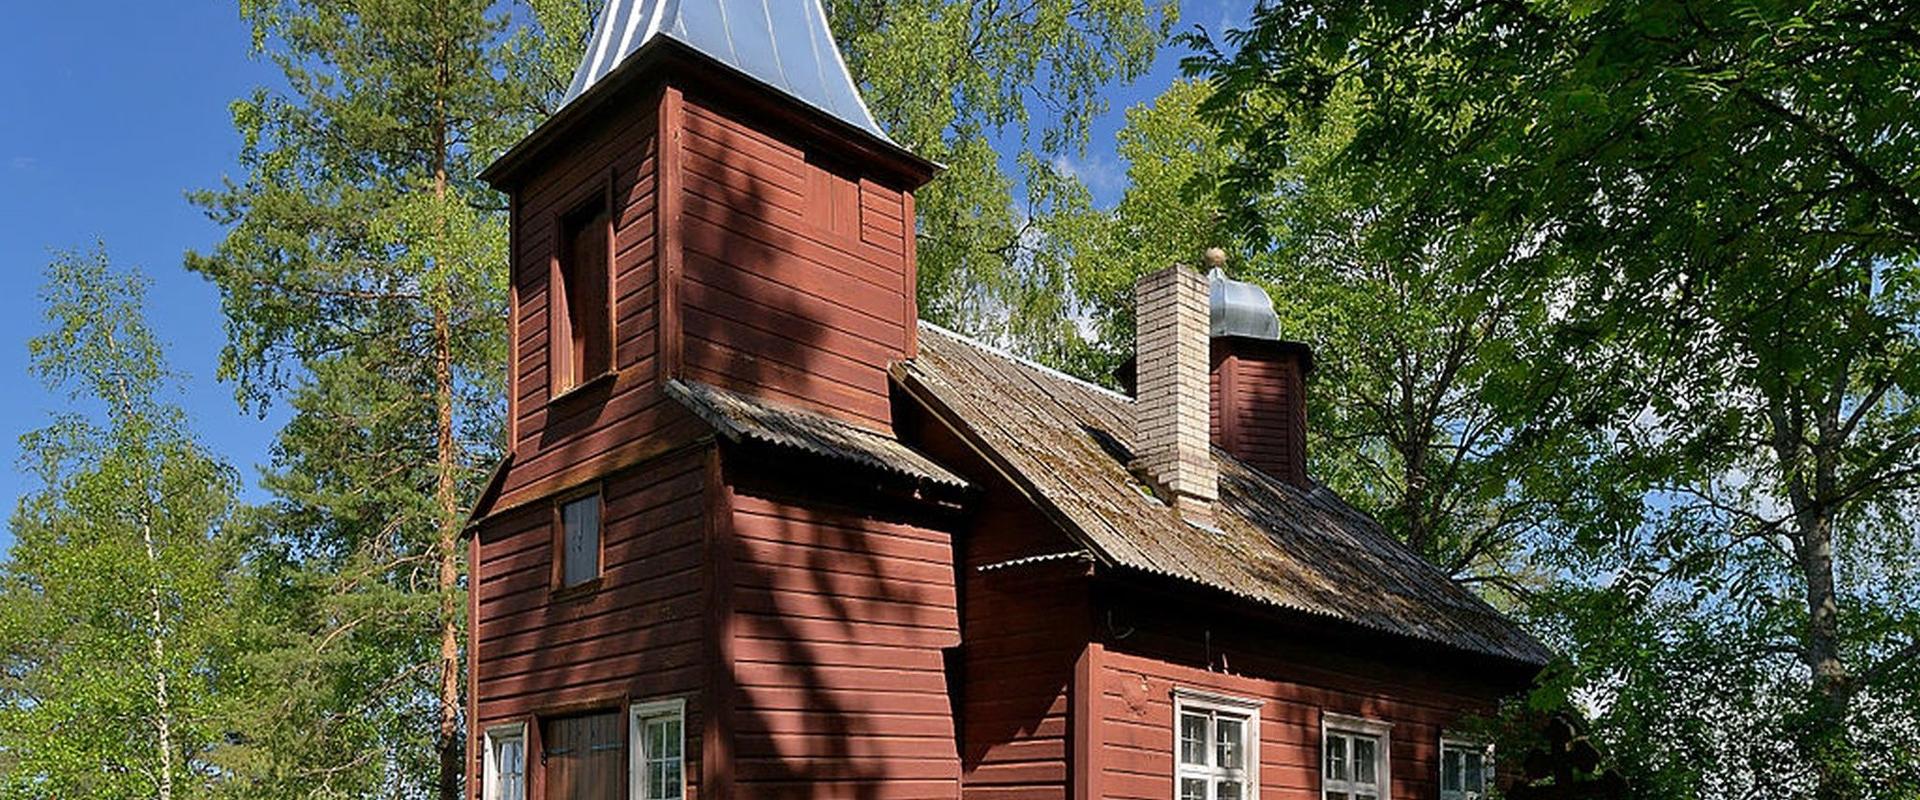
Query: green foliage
pixel 363 283
pixel 119 660
pixel 1716 206
pixel 948 77
pixel 1166 216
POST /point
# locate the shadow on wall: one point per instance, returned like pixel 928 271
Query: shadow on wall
pixel 841 614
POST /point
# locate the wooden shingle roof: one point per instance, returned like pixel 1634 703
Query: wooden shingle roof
pixel 1067 444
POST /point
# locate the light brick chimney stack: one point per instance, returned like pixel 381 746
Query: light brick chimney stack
pixel 1172 413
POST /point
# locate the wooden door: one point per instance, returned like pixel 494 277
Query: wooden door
pixel 585 757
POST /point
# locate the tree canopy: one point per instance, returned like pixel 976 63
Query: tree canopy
pixel 1714 206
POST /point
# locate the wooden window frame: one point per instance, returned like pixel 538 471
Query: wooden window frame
pixel 559 309
pixel 559 523
pixel 490 769
pixel 1452 742
pixel 1213 705
pixel 1332 725
pixel 638 715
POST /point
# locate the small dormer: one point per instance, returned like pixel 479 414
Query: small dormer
pixel 713 202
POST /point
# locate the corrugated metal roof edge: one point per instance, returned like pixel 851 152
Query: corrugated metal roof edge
pixel 727 428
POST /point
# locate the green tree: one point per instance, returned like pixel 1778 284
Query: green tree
pixel 120 654
pixel 956 80
pixel 362 278
pixel 1167 215
pixel 1722 200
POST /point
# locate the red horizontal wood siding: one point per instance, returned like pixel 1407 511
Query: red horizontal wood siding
pixel 1259 406
pixel 839 623
pixel 638 637
pixel 1024 628
pixel 796 283
pixel 561 442
pixel 1297 680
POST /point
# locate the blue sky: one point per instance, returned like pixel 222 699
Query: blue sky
pixel 110 112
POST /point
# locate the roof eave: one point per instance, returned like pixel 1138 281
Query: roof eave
pixel 661 50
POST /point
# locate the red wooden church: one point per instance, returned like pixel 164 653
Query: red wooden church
pixel 760 532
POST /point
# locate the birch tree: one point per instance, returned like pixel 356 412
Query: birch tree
pixel 120 657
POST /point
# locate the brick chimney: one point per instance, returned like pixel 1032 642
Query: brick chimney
pixel 1258 381
pixel 1171 408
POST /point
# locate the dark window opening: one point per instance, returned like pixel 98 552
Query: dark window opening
pixel 582 333
pixel 579 521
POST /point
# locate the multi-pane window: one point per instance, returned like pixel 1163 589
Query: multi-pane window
pixel 506 775
pixel 579 521
pixel 1217 739
pixel 659 758
pixel 1354 766
pixel 1464 770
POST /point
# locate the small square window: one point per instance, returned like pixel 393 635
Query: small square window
pixel 1355 759
pixel 1218 746
pixel 1465 769
pixel 579 520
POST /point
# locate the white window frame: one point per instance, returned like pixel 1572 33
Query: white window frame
pixel 637 718
pixel 1332 724
pixel 1185 700
pixel 491 774
pixel 1468 744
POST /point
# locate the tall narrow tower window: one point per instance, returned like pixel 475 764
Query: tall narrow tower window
pixel 582 316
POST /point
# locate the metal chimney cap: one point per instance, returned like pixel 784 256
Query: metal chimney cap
pixel 1240 308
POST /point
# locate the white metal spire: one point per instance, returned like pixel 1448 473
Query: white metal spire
pixel 784 44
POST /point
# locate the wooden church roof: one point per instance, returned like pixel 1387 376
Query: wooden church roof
pixel 1067 444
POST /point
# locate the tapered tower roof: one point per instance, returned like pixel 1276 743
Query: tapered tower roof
pixel 784 44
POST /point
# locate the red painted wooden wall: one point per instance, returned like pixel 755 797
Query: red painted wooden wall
pixel 835 633
pixel 798 282
pixel 640 636
pixel 1258 391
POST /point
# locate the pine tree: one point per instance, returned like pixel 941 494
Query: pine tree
pixel 362 281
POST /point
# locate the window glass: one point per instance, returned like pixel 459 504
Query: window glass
pixel 1193 739
pixel 1464 771
pixel 1229 741
pixel 581 561
pixel 509 768
pixel 1355 766
pixel 1217 745
pixel 1337 758
pixel 662 762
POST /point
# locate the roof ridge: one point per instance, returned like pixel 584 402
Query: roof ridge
pixel 1026 362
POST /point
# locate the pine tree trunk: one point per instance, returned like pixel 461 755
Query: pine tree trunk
pixel 450 740
pixel 450 744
